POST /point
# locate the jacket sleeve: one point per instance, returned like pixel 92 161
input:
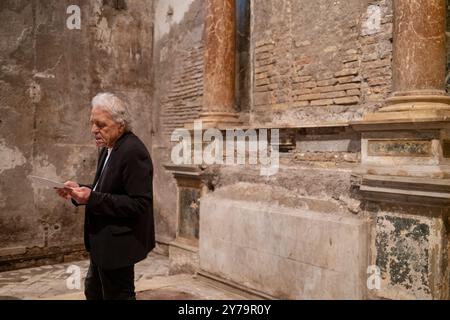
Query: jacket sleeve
pixel 76 204
pixel 137 182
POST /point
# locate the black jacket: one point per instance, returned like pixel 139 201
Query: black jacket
pixel 119 227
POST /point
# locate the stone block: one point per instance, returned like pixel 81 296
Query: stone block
pixel 321 102
pixel 285 252
pixel 347 100
pixel 347 72
pixel 263 98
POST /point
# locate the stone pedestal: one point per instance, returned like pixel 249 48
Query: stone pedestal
pixel 404 183
pixel 183 251
pixel 404 177
pixel 409 149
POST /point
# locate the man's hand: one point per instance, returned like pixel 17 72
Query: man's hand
pixel 65 192
pixel 80 195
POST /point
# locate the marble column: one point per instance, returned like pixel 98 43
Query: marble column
pixel 219 70
pixel 419 61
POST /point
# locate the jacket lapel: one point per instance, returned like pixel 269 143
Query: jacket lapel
pixel 101 161
pixel 104 153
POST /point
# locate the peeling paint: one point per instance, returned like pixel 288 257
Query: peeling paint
pixel 10 158
pixel 403 246
pixel 167 13
pixel 103 35
pixel 372 22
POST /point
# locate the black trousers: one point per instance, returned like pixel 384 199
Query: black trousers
pixel 117 284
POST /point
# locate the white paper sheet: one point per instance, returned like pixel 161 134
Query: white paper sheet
pixel 47 182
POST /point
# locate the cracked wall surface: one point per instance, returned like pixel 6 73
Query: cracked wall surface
pixel 48 76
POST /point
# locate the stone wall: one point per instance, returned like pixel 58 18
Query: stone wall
pixel 48 76
pixel 315 71
pixel 313 66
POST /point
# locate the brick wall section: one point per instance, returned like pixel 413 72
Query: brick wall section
pixel 376 58
pixel 306 58
pixel 184 99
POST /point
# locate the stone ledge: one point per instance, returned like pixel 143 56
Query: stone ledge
pixel 185 244
pixel 12 251
pixel 232 286
pixel 422 191
pixel 383 121
pixel 38 256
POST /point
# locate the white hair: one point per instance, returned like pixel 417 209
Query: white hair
pixel 115 106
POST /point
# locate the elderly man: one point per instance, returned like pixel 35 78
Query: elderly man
pixel 119 226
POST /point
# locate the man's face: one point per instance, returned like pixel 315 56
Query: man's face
pixel 104 128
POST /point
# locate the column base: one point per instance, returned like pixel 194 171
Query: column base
pixel 413 108
pixel 415 115
pixel 220 120
pixel 183 256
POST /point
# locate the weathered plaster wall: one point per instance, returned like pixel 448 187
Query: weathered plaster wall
pixel 45 91
pixel 48 76
pixel 177 95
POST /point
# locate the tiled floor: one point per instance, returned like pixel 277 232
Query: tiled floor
pixel 152 279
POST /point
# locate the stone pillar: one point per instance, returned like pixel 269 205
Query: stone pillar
pixel 405 161
pixel 192 185
pixel 419 62
pixel 219 70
